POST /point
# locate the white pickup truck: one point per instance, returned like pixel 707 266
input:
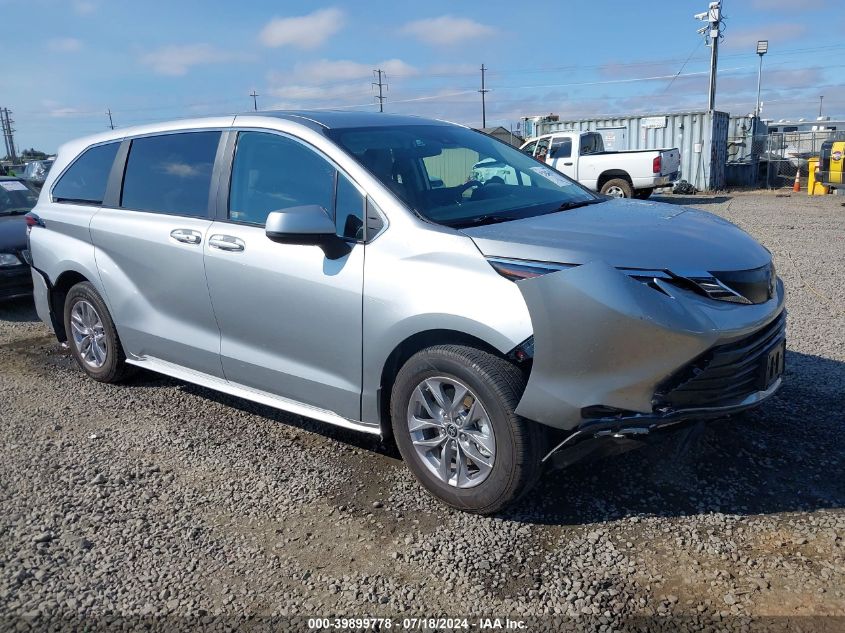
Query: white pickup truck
pixel 581 156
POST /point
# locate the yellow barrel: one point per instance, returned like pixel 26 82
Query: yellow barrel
pixel 814 187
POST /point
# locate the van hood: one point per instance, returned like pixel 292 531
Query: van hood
pixel 625 234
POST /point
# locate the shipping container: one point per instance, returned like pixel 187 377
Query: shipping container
pixel 741 145
pixel 702 138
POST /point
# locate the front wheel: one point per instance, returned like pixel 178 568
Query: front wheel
pixel 452 409
pixel 617 188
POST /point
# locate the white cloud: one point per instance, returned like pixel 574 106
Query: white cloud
pixel 58 111
pixel 176 60
pixel 775 33
pixel 63 112
pixel 447 30
pixel 181 170
pixel 84 7
pixel 336 82
pixel 295 95
pixel 330 70
pixel 452 69
pixel 64 45
pixel 305 31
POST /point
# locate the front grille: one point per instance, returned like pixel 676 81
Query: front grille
pixel 723 375
pixel 757 285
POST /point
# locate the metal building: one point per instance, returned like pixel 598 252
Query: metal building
pixel 503 134
pixel 702 138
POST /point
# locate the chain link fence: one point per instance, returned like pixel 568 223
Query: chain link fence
pixel 782 154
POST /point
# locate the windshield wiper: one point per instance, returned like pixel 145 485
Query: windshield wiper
pixel 481 219
pixel 566 206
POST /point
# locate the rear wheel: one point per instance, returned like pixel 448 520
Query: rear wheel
pixel 643 194
pixel 617 188
pixel 92 335
pixel 452 409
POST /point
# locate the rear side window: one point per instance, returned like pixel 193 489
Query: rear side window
pixel 85 180
pixel 170 173
pixel 561 148
pixel 529 149
pixel 591 144
pixel 272 172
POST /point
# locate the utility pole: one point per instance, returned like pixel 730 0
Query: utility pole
pixel 254 96
pixel 483 92
pixel 821 101
pixel 381 86
pixel 5 133
pixel 712 32
pixel 8 134
pixel 111 123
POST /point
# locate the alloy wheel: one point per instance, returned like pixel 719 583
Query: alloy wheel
pixel 451 432
pixel 88 334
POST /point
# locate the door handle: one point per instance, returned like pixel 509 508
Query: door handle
pixel 226 243
pixel 568 164
pixel 186 236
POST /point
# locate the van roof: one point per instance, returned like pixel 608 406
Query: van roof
pixel 318 120
pixel 335 119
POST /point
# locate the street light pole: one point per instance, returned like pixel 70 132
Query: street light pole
pixel 762 49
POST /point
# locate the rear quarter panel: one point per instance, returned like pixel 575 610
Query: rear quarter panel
pixel 64 242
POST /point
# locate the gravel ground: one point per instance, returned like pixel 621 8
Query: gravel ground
pixel 158 498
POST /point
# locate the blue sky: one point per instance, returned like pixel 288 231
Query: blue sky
pixel 68 61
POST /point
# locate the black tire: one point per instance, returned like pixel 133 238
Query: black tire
pixel 623 185
pixel 498 386
pixel 643 194
pixel 114 368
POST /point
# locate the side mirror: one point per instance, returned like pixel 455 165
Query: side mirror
pixel 308 224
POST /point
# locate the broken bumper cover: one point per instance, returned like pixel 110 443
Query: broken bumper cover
pixel 638 425
pixel 604 342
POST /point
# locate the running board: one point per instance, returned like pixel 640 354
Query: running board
pixel 248 393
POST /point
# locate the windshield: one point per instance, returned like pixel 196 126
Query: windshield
pixel 456 176
pixel 38 168
pixel 16 197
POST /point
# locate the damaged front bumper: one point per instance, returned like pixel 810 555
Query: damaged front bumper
pixel 635 427
pixel 617 357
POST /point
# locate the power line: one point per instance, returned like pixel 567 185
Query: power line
pixel 381 86
pixel 498 72
pixel 684 65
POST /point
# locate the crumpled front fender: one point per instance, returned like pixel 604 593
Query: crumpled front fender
pixel 603 338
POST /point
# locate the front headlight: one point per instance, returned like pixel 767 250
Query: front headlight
pixel 7 260
pixel 519 269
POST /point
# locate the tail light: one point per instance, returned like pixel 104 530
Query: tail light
pixel 656 165
pixel 32 219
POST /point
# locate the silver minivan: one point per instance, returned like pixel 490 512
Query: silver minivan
pixel 348 268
